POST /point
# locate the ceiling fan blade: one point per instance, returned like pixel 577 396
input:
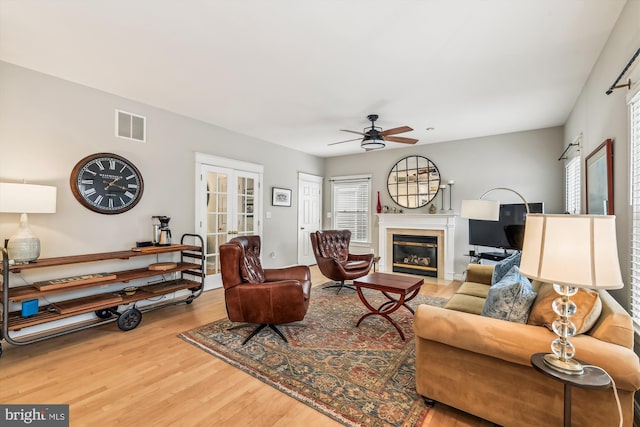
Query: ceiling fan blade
pixel 394 131
pixel 401 139
pixel 352 131
pixel 348 140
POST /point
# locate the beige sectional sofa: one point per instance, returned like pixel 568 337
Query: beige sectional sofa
pixel 482 366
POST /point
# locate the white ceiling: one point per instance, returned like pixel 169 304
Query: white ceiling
pixel 295 72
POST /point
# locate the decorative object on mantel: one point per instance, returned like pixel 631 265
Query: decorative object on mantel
pixel 450 184
pixel 432 209
pixel 413 182
pixel 599 179
pixel 443 187
pixel 24 246
pixel 379 206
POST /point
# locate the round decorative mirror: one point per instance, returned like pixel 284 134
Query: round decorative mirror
pixel 413 182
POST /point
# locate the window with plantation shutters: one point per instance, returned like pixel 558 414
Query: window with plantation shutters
pixel 572 186
pixel 634 116
pixel 351 206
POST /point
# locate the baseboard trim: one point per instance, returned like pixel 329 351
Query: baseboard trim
pixel 636 412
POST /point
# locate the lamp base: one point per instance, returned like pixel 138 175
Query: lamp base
pixel 24 246
pixel 566 366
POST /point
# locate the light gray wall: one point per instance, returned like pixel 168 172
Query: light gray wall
pixel 599 116
pixel 47 125
pixel 524 161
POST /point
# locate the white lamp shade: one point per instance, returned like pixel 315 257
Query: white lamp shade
pixel 27 198
pixel 487 210
pixel 573 250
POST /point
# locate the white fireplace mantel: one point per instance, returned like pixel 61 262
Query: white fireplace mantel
pixel 437 222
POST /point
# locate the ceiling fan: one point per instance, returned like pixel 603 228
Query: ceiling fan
pixel 374 137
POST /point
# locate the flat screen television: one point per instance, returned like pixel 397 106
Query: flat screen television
pixel 507 232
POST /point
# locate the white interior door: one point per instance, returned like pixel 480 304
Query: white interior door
pixel 229 205
pixel 309 214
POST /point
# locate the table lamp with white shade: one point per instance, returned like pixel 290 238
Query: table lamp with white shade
pixel 570 251
pixel 24 246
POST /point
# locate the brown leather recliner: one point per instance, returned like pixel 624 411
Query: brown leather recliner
pixel 268 297
pixel 331 249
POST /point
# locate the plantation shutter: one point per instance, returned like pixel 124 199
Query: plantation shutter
pixel 351 201
pixel 634 109
pixel 572 186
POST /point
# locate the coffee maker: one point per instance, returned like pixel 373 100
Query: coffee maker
pixel 161 231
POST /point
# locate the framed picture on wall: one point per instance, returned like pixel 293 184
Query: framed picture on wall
pixel 280 196
pixel 599 179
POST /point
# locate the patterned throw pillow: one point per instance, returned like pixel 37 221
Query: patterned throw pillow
pixel 504 266
pixel 511 298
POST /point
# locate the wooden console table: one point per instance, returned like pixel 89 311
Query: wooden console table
pixel 105 304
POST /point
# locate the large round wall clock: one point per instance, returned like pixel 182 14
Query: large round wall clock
pixel 106 183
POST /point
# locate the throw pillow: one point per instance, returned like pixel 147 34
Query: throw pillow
pixel 588 303
pixel 504 266
pixel 251 268
pixel 511 298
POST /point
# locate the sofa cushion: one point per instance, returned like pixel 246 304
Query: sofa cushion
pixel 511 298
pixel 466 303
pixel 504 266
pixel 474 289
pixel 588 310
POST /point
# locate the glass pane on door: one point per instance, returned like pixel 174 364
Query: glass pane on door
pixel 245 209
pixel 216 227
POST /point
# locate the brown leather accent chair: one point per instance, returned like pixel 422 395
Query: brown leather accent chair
pixel 267 297
pixel 331 249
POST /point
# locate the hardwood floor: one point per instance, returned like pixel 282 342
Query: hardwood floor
pixel 149 377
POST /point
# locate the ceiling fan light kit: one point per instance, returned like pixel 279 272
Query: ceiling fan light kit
pixel 374 137
pixel 372 144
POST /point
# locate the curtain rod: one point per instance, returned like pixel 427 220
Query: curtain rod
pixel 628 84
pixel 562 156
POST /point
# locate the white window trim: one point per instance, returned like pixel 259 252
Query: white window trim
pixel 367 177
pixel 572 182
pixel 633 97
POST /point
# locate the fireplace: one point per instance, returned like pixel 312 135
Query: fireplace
pixel 415 254
pixel 440 226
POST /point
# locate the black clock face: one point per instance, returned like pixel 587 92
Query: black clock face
pixel 106 183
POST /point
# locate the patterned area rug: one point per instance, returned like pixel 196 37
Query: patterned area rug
pixel 362 376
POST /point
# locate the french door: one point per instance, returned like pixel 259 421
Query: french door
pixel 229 206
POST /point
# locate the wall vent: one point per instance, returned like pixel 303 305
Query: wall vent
pixel 131 126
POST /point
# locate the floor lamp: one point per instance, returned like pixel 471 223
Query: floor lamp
pixel 486 210
pixel 570 251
